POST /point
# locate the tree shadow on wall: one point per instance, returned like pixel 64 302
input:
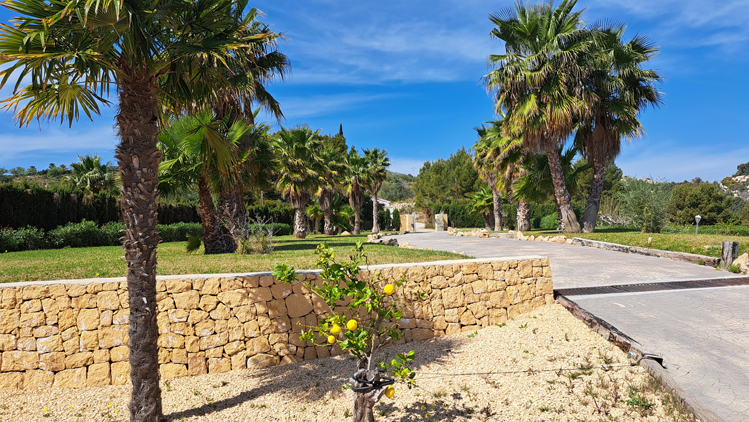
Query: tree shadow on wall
pixel 305 379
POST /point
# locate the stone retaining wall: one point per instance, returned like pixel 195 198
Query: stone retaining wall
pixel 75 333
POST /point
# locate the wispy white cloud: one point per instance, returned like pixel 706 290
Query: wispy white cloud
pixel 298 108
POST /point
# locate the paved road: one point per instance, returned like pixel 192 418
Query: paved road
pixel 702 334
pixel 571 266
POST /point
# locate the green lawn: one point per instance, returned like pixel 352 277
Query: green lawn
pixel 702 244
pixel 108 261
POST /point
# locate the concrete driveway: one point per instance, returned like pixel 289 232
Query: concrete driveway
pixel 702 334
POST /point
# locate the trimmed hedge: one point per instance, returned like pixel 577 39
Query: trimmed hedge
pixel 26 204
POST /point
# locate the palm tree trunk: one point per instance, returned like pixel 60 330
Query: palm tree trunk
pixel 138 160
pixel 355 200
pixel 375 223
pixel 300 224
pixel 357 220
pixel 213 238
pixel 487 221
pixel 233 217
pixel 590 216
pixel 498 223
pixel 524 214
pixel 326 203
pixel 562 195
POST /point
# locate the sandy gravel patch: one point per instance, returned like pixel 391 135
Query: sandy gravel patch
pixel 542 366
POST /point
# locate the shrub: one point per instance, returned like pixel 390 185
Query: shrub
pixel 705 200
pixel 30 238
pixel 275 211
pixel 549 222
pixel 178 232
pixel 396 220
pixel 278 229
pixel 255 238
pixel 77 235
pixel 644 203
pixel 113 232
pixel 8 241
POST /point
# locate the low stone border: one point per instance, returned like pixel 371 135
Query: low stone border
pixel 676 256
pixel 651 362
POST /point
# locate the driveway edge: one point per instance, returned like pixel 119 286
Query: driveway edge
pixel 675 256
pixel 646 359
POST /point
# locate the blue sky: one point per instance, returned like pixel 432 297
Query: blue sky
pixel 405 76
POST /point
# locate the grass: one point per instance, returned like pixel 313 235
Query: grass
pixel 701 244
pixel 108 261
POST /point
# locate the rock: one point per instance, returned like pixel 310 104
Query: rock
pixel 53 362
pixel 120 373
pixel 298 305
pixel 217 365
pixel 262 361
pixel 98 375
pixel 214 341
pixel 178 286
pixel 49 344
pixel 258 345
pixel 171 341
pixel 11 380
pixel 19 361
pixel 88 319
pixel 187 300
pixel 344 233
pixel 116 335
pixel 79 360
pixel 173 370
pixel 234 298
pixel 39 379
pixel 120 354
pixel 108 301
pixel 391 242
pixel 71 378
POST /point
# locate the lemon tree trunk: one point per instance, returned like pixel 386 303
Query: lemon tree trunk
pixel 364 401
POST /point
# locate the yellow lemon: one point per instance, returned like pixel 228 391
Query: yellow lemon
pixel 335 330
pixel 389 289
pixel 389 391
pixel 331 339
pixel 351 325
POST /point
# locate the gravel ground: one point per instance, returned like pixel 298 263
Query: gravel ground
pixel 502 373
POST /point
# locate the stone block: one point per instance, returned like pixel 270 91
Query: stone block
pixel 29 306
pixel 497 316
pixel 258 345
pixel 216 352
pixel 101 356
pixel 32 320
pixel 452 328
pixel 165 356
pixel 192 344
pixel 88 319
pixel 298 305
pixel 87 301
pixel 467 318
pixel 260 294
pixel 121 317
pixel 262 361
pixel 469 268
pixel 27 344
pixel 231 283
pixel 205 328
pixel 197 316
pixel 19 361
pixel 221 312
pixel 38 379
pixel 478 309
pixel 421 334
pixel 120 373
pixel 7 342
pixel 35 292
pixel 171 341
pixel 65 319
pixel 89 340
pixel 218 365
pixel 178 286
pixel 108 300
pixel 8 298
pixel 11 380
pixel 245 313
pixel 99 374
pixel 452 297
pixel 525 269
pixel 105 318
pixel 183 328
pixel 281 290
pixel 173 370
pixel 79 360
pixel 49 344
pixel 179 356
pixel 116 335
pixel 267 280
pixel 120 354
pixel 72 346
pixel 187 300
pixel 196 364
pixel 216 340
pixel 177 315
pixel 499 299
pixel 234 298
pixel 277 308
pixel 251 329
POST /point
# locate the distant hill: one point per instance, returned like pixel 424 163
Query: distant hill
pixel 738 184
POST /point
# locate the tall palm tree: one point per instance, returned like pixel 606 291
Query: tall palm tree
pixel 619 89
pixel 298 170
pixel 377 164
pixel 73 52
pixel 201 150
pixel 332 170
pixel 354 185
pixel 537 81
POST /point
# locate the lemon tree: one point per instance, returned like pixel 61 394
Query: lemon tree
pixel 371 321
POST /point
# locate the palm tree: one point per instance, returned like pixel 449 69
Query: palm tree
pixel 484 160
pixel 73 52
pixel 619 89
pixel 537 82
pixel 482 202
pixel 298 169
pixel 315 213
pixel 377 164
pixel 202 150
pixel 91 175
pixel 356 177
pixel 332 169
pixel 536 184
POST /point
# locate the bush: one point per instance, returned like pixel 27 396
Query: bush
pixel 30 238
pixel 644 203
pixel 113 232
pixel 279 229
pixel 178 232
pixel 705 200
pixel 383 219
pixel 275 211
pixel 8 241
pixel 396 220
pixel 510 212
pixel 77 235
pixel 549 222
